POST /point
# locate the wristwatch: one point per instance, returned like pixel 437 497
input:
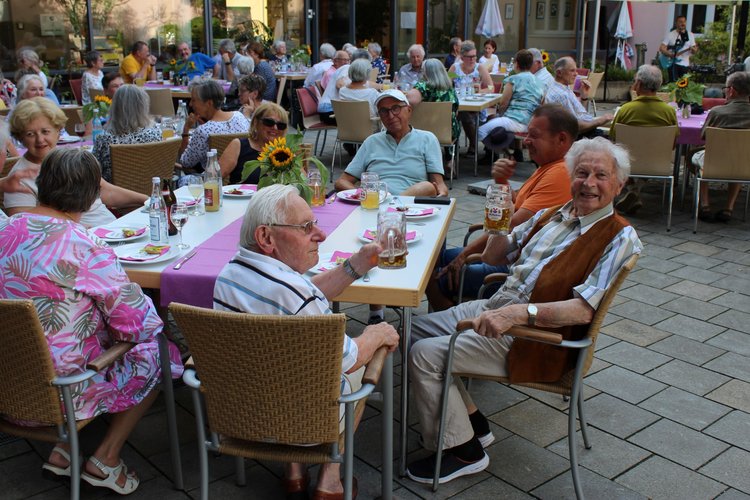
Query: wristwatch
pixel 532 310
pixel 349 269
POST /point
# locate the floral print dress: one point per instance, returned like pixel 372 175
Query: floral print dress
pixel 85 302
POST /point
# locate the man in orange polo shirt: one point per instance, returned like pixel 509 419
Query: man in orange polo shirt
pixel 552 130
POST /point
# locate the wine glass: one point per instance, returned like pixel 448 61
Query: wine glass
pixel 80 129
pixel 195 186
pixel 179 218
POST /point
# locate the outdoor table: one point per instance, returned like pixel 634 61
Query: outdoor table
pixel 475 104
pixel 296 79
pixel 181 91
pixel 216 235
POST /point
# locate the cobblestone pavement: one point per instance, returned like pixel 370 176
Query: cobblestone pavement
pixel 668 396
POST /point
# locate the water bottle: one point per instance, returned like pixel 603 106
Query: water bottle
pixel 157 215
pixel 181 116
pixel 96 128
pixel 212 183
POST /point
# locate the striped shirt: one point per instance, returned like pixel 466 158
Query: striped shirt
pixel 259 284
pixel 551 240
pixel 561 94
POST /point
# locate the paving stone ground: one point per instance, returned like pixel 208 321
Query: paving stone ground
pixel 668 397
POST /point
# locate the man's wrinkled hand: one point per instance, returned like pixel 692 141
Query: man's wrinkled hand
pixel 366 258
pixel 388 335
pixel 453 272
pixel 503 169
pixel 493 323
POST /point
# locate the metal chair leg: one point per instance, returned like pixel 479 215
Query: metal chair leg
pixel 572 442
pixel 239 464
pixel 174 440
pixel 447 381
pixel 75 453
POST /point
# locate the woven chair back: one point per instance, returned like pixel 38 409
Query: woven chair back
pixel 133 165
pixel 437 117
pixel 272 379
pixel 219 142
pixel 727 153
pixel 74 115
pixel 160 102
pixel 353 122
pixel 26 366
pixel 651 148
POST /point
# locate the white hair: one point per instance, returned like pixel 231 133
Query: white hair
pixel 619 155
pixel 327 51
pixel 245 66
pixel 415 48
pixel 269 205
pixel 24 82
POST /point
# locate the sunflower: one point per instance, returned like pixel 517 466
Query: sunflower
pixel 192 65
pixel 545 56
pixel 682 83
pixel 172 62
pixel 103 98
pixel 281 157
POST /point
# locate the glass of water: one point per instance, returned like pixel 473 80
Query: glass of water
pixel 195 186
pixel 179 218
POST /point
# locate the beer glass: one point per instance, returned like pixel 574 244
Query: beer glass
pixel 372 191
pixel 392 239
pixel 314 182
pixel 498 209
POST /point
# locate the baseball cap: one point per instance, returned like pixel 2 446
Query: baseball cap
pixel 393 93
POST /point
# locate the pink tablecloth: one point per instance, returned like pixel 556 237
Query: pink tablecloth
pixel 690 129
pixel 194 283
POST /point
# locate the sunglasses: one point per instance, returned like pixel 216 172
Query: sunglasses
pixel 268 122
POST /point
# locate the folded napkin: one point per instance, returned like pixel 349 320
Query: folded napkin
pixel 103 232
pixel 248 187
pixel 337 258
pixel 369 234
pixel 149 252
pixel 414 211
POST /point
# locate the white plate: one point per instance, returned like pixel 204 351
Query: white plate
pixel 324 264
pixel 414 211
pixel 347 194
pixel 132 250
pixel 364 239
pixel 474 99
pixel 246 193
pixel 118 229
pixel 69 140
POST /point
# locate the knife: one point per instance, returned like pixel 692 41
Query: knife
pixel 184 259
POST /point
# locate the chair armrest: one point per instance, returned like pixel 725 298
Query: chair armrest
pixel 495 278
pixel 374 367
pixel 109 356
pixel 474 258
pixel 471 230
pixel 73 379
pixel 191 379
pixel 521 332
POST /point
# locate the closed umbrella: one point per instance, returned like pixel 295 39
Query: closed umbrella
pixel 622 33
pixel 490 23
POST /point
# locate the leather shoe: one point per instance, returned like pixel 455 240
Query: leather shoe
pixel 325 495
pixel 296 489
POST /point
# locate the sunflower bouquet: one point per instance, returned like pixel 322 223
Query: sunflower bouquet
pixel 685 90
pixel 282 161
pixel 99 106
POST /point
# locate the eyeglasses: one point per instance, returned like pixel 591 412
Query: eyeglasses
pixel 724 89
pixel 396 110
pixel 470 57
pixel 307 227
pixel 268 122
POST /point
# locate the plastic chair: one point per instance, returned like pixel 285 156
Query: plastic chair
pixel 569 385
pixel 263 390
pixel 437 117
pixel 594 79
pixel 652 155
pixel 219 142
pixel 75 87
pixel 373 75
pixel 161 102
pixel 308 101
pixel 725 160
pixel 133 165
pixel 353 125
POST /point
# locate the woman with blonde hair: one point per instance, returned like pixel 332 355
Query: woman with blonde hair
pixel 269 122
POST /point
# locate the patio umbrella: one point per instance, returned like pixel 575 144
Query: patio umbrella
pixel 490 23
pixel 622 33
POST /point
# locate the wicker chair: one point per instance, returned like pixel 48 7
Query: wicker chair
pixel 569 385
pixel 219 142
pixel 160 102
pixel 133 165
pixel 266 389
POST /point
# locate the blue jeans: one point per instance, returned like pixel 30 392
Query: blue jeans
pixel 473 277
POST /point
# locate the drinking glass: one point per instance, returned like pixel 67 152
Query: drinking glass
pixel 179 218
pixel 195 186
pixel 392 238
pixel 80 129
pixel 372 191
pixel 498 209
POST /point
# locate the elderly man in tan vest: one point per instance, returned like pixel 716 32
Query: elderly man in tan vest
pixel 561 262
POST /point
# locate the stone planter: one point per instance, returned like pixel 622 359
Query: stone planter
pixel 616 91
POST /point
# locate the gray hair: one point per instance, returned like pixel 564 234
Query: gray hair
pixel 69 180
pixel 23 84
pixel 278 44
pixel 227 45
pixel 619 155
pixel 454 42
pixel 270 205
pixel 208 90
pixel 740 82
pixel 467 47
pixel 349 48
pixel 536 54
pixel 130 110
pixel 245 66
pixel 359 70
pixel 327 51
pixel 361 54
pixel 415 48
pixel 375 48
pixel 28 54
pixel 563 63
pixel 650 77
pixel 436 76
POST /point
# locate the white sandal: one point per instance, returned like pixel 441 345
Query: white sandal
pixel 53 471
pixel 111 476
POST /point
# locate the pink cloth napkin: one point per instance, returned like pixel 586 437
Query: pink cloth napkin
pixel 337 257
pixel 369 234
pixel 142 256
pixel 117 233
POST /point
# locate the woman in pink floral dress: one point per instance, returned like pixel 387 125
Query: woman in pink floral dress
pixel 85 302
